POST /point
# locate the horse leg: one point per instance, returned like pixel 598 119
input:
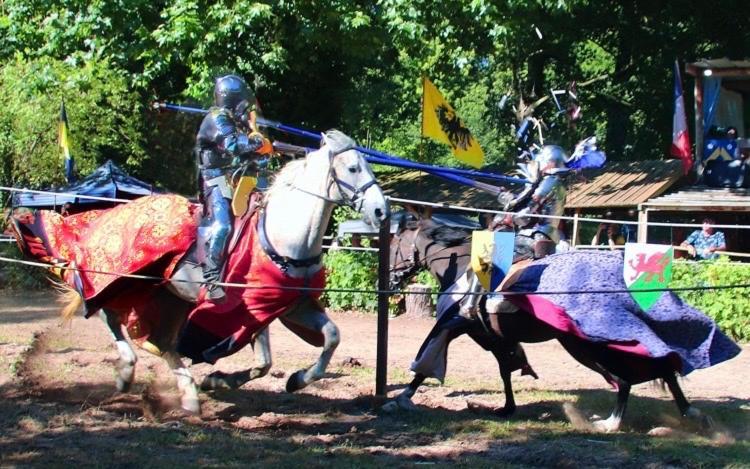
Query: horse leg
pixel 585 354
pixel 185 383
pixel 310 322
pixel 403 400
pixel 612 424
pixel 686 410
pixel 125 368
pixel 431 360
pixel 262 351
pixel 510 356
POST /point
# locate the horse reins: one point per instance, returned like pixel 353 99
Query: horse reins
pixel 357 193
pixel 285 262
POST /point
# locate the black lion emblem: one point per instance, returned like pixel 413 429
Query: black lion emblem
pixel 458 135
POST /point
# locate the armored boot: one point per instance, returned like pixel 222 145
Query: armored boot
pixel 212 276
pixel 469 305
pixel 220 227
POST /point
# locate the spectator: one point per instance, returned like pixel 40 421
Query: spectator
pixel 614 237
pixel 705 243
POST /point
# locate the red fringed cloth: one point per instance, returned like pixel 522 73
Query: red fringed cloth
pixel 146 236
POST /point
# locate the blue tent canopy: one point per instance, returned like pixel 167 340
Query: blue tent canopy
pixel 108 180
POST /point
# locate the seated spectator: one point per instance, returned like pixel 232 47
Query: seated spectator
pixel 705 244
pixel 613 236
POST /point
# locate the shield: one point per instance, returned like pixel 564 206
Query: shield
pixel 647 266
pixel 491 256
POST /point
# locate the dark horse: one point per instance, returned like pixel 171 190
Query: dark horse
pixel 444 251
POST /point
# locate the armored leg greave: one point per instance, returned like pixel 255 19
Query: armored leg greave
pixel 218 211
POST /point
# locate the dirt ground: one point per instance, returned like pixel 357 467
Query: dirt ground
pixel 48 369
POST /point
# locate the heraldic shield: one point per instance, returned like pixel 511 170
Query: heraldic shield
pixel 491 256
pixel 646 267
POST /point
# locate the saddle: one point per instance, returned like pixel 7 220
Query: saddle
pixel 244 211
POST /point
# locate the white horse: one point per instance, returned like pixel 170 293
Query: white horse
pixel 298 207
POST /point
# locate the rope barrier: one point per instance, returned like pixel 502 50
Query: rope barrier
pixel 557 217
pixel 63 194
pixel 431 204
pixel 372 291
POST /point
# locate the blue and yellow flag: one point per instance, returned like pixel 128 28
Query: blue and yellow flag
pixel 62 135
pixel 440 122
pixel 491 256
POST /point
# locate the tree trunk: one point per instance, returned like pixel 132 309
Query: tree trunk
pixel 418 303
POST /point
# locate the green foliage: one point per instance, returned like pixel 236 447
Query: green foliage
pixel 354 270
pixel 426 278
pixel 366 59
pixel 730 308
pixel 20 276
pixel 103 115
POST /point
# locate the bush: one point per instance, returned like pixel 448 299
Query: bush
pixel 105 120
pixel 729 307
pixel 351 270
pixel 19 276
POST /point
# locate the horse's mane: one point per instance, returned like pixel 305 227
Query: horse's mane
pixel 285 177
pixel 445 235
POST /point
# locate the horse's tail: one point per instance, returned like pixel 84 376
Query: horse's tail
pixel 71 300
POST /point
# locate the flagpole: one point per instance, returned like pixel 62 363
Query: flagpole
pixel 421 128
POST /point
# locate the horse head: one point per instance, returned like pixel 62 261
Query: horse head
pixel 404 261
pixel 427 244
pixel 353 179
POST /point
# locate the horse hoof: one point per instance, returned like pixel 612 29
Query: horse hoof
pixel 216 380
pixel 296 381
pixel 605 426
pixel 704 421
pixel 390 407
pixel 123 385
pixel 191 406
pixel 504 412
pixel 405 403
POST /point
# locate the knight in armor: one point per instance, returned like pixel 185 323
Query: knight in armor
pixel 537 236
pixel 227 138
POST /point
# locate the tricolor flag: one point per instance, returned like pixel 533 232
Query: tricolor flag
pixel 440 122
pixel 680 137
pixel 647 266
pixel 62 136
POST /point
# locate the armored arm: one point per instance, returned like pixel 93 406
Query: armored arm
pixel 236 143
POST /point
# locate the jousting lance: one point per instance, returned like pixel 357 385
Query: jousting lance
pixel 462 176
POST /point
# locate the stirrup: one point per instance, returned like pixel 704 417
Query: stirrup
pixel 215 293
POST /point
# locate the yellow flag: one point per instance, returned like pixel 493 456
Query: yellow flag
pixel 440 122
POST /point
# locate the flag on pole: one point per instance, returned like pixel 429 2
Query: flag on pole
pixel 680 136
pixel 63 141
pixel 440 122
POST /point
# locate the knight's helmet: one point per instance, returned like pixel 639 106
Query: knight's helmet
pixel 551 159
pixel 233 93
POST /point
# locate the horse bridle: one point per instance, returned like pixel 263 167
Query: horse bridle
pixel 405 267
pixel 351 196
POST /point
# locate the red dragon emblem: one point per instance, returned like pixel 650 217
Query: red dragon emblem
pixel 654 265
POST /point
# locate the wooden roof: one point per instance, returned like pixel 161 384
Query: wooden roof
pixel 703 199
pixel 624 184
pixel 619 184
pixel 416 185
pixel 719 67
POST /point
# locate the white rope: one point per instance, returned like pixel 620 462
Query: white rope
pixel 559 217
pixel 354 290
pixel 67 194
pixel 432 204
